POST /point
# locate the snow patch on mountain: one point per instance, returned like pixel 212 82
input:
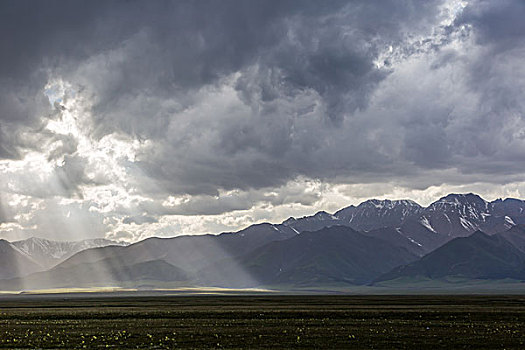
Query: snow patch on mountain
pixel 413 241
pixel 469 226
pixel 424 221
pixel 509 220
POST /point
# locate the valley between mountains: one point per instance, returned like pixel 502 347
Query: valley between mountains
pixel 459 241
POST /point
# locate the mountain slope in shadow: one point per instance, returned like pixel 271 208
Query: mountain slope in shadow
pixel 14 263
pixel 106 272
pixel 478 256
pixel 337 254
pixel 190 253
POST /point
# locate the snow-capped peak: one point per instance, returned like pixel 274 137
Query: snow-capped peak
pixel 455 199
pixel 388 204
pixel 36 246
pixel 470 206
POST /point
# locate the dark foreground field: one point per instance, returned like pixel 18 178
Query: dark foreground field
pixel 263 322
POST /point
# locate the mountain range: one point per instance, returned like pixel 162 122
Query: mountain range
pixel 459 235
pixel 478 256
pixel 23 257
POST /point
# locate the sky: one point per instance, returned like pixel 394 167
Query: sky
pixel 131 119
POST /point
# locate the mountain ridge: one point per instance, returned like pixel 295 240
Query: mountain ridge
pixel 48 253
pixel 478 256
pixel 453 215
pixel 396 238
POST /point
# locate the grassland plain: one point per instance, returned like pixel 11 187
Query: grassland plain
pixel 262 321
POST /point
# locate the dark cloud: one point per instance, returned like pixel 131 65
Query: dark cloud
pixel 293 73
pixel 495 74
pixel 137 54
pixel 35 38
pixel 498 23
pixel 246 97
pixel 292 193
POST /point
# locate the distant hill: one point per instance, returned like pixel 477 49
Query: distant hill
pixel 398 238
pixel 313 223
pixel 516 236
pixel 48 253
pixel 190 253
pixel 478 256
pixel 109 272
pixel 184 254
pixel 336 254
pixel 14 263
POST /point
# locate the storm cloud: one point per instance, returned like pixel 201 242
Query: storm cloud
pixel 169 117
